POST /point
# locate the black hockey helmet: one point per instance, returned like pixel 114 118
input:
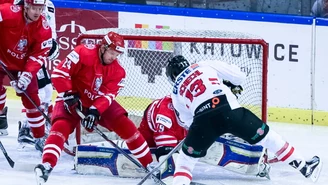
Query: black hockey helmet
pixel 175 66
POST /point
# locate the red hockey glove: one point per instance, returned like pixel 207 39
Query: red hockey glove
pixel 72 101
pixel 91 119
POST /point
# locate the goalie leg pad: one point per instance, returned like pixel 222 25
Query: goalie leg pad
pixel 106 161
pixel 235 155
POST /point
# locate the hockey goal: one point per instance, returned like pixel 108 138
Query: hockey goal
pixel 147 52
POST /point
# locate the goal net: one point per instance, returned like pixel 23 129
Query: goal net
pixel 147 53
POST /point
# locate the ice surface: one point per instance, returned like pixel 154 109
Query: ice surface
pixel 309 140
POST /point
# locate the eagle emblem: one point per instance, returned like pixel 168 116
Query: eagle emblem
pixel 98 83
pixel 21 46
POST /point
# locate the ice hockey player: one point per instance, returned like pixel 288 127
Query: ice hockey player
pixel 89 78
pixel 44 82
pixel 160 128
pixel 23 52
pixel 209 109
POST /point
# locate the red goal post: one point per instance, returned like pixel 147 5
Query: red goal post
pixel 147 51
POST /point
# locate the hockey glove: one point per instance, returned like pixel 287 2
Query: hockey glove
pixel 72 101
pixel 91 119
pixel 54 51
pixel 24 79
pixel 235 89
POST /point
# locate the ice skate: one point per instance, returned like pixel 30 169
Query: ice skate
pixel 3 122
pixel 264 170
pixel 40 142
pixel 42 172
pixel 264 167
pixel 24 134
pixel 312 168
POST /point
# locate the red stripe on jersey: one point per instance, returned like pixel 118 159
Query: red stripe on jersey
pixel 183 174
pixel 282 149
pixel 288 154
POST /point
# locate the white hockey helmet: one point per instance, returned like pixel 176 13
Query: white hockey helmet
pixel 35 2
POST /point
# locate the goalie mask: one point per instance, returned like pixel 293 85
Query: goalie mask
pixel 175 66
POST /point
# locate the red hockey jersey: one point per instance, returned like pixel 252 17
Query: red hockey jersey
pixel 81 71
pixel 6 1
pixel 159 125
pixel 23 43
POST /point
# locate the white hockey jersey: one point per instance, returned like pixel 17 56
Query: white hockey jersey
pixel 201 82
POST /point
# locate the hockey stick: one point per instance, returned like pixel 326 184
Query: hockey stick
pixel 10 161
pixel 158 181
pixel 16 166
pixel 176 148
pixel 12 78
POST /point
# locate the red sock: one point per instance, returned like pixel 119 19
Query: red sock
pixel 55 142
pixel 134 140
pixel 3 97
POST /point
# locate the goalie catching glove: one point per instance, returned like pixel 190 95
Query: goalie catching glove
pixel 235 89
pixel 91 119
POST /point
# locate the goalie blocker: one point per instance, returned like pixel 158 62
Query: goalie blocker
pixel 231 153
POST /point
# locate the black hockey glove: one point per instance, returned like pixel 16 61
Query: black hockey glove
pixel 54 51
pixel 235 89
pixel 72 101
pixel 91 119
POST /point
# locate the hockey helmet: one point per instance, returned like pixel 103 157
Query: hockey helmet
pixel 114 41
pixel 175 66
pixel 35 2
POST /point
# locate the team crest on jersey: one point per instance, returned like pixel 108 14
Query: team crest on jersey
pixel 21 45
pixel 15 8
pixel 97 83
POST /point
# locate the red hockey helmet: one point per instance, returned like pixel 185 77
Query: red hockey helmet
pixel 35 2
pixel 114 41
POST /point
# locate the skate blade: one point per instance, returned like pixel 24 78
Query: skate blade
pixel 3 132
pixel 316 173
pixel 38 176
pixel 24 146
